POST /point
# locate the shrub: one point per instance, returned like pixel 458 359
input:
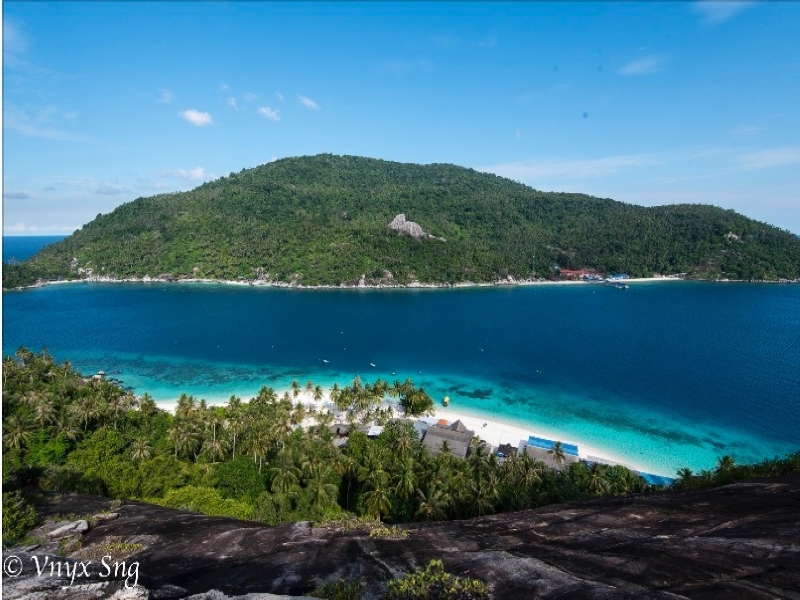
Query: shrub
pixel 19 517
pixel 205 500
pixel 339 590
pixel 435 583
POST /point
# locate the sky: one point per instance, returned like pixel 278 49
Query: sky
pixel 646 103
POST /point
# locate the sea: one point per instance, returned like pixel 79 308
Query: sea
pixel 664 375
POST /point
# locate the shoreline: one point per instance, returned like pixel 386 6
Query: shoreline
pixel 489 428
pixel 509 282
pixel 410 286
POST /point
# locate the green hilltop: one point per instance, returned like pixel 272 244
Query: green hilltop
pixel 323 220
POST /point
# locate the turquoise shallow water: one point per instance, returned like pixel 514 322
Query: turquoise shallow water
pixel 665 375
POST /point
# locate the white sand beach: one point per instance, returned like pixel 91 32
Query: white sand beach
pixel 490 429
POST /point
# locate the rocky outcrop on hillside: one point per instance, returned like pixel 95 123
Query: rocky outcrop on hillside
pixel 738 540
pixel 411 228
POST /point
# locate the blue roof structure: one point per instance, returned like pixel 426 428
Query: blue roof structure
pixel 548 445
pixel 657 479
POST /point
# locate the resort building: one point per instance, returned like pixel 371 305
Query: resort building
pixel 457 437
pixel 540 449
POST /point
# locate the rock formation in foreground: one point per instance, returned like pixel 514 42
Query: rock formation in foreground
pixel 738 540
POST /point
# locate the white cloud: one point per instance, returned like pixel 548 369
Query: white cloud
pixel 107 189
pixel 14 43
pixel 250 97
pixel 232 103
pixel 196 174
pixel 267 112
pixel 308 102
pixel 41 124
pixel 773 157
pixel 166 96
pixel 642 66
pixel 223 87
pixel 571 169
pixel 22 228
pixel 714 12
pixel 280 96
pixel 748 130
pixel 16 195
pixel 197 118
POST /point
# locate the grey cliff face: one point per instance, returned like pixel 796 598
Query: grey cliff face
pixel 411 228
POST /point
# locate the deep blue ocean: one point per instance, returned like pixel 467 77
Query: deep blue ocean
pixel 665 375
pixel 21 247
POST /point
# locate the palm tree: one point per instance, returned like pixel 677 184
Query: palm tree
pixel 119 406
pixel 377 499
pixel 347 466
pixel 598 484
pixel 235 425
pixel 184 437
pixel 335 391
pixel 140 450
pixel 285 474
pixel 44 412
pixel 432 506
pixel 86 411
pixel 147 405
pixel 684 477
pixel 259 445
pixel 216 448
pixel 402 442
pixel 557 452
pixel 295 388
pixel 64 426
pixel 185 406
pixel 318 394
pixel 215 421
pixel 406 478
pixel 16 432
pixel 725 464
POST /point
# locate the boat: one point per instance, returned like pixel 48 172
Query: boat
pixel 446 401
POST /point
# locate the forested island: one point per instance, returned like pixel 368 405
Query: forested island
pixel 345 220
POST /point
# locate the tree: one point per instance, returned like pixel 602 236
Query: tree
pixel 557 452
pixel 318 394
pixel 16 432
pixel 377 499
pixel 140 450
pixel 433 505
pixel 725 465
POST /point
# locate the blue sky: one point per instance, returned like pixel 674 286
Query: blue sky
pixel 651 104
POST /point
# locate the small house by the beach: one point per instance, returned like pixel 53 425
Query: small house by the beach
pixel 340 429
pixel 506 450
pixel 457 436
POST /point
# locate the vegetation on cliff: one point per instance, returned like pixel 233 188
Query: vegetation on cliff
pixel 253 460
pixel 324 220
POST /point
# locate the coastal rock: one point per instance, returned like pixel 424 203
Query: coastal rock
pixel 105 516
pixel 411 228
pixel 71 528
pixel 738 540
